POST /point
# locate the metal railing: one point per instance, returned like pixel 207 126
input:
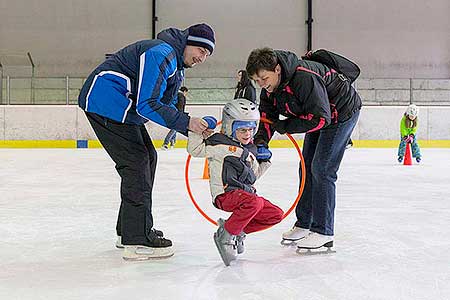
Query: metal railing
pixel 215 91
pixel 40 90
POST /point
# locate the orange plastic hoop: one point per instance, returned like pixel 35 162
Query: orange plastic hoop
pixel 300 191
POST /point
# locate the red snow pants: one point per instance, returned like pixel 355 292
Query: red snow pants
pixel 250 211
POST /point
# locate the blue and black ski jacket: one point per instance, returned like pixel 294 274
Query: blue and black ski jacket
pixel 140 83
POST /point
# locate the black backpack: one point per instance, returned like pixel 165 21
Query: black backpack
pixel 335 61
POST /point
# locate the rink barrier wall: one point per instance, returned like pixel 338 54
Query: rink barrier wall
pixel 66 126
pixel 84 144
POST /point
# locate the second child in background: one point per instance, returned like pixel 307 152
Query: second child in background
pixel 408 129
pixel 171 137
pixel 234 165
pixel 245 88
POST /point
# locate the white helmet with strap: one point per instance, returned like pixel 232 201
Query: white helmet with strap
pixel 238 110
pixel 412 111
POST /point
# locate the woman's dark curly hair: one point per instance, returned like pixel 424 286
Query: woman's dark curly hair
pixel 261 59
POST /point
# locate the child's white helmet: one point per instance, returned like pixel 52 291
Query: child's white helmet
pixel 239 110
pixel 412 111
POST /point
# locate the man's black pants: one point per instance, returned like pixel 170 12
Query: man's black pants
pixel 131 148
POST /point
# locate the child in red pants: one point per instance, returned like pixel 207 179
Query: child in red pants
pixel 234 165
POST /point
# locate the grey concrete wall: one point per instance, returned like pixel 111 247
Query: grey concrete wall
pixel 69 123
pixel 240 26
pixel 389 39
pixel 404 91
pixel 70 37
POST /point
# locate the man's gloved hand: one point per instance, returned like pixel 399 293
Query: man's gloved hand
pixel 197 125
pixel 279 126
pixel 212 122
pixel 264 154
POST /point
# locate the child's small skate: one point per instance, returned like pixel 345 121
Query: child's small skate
pixel 314 241
pixel 225 243
pixel 294 235
pixel 240 242
pixel 400 159
pixel 418 159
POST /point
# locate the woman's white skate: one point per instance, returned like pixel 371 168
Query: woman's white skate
pixel 292 236
pixel 315 241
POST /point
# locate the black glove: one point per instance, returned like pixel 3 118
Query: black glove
pixel 279 126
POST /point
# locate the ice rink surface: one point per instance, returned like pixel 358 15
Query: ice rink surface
pixel 57 231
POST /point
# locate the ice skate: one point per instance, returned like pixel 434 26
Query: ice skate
pixel 240 242
pixel 119 244
pixel 225 242
pixel 314 241
pixel 400 159
pixel 349 144
pixel 159 247
pixel 140 252
pixel 164 147
pixel 418 159
pixel 292 236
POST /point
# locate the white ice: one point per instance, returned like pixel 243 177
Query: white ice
pixel 57 231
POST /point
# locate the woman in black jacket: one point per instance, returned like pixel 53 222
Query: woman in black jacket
pixel 245 88
pixel 302 96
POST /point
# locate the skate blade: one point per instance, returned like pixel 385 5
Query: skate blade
pixel 308 250
pixel 316 251
pixel 285 242
pixel 328 245
pixel 158 253
pixel 143 258
pixel 226 260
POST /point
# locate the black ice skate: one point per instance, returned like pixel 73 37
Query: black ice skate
pixel 119 244
pixel 153 248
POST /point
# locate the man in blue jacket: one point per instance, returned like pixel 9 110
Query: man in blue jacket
pixel 137 84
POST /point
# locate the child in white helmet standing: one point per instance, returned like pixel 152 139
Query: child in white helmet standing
pixel 235 163
pixel 408 129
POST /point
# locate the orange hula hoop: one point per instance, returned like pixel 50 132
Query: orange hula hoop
pixel 297 199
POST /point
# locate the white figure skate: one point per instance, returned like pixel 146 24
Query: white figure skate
pixel 314 241
pixel 292 236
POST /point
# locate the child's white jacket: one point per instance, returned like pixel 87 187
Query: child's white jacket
pixel 231 164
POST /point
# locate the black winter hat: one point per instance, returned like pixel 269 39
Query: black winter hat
pixel 201 35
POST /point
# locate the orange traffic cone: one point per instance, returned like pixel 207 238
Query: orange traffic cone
pixel 206 170
pixel 408 160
